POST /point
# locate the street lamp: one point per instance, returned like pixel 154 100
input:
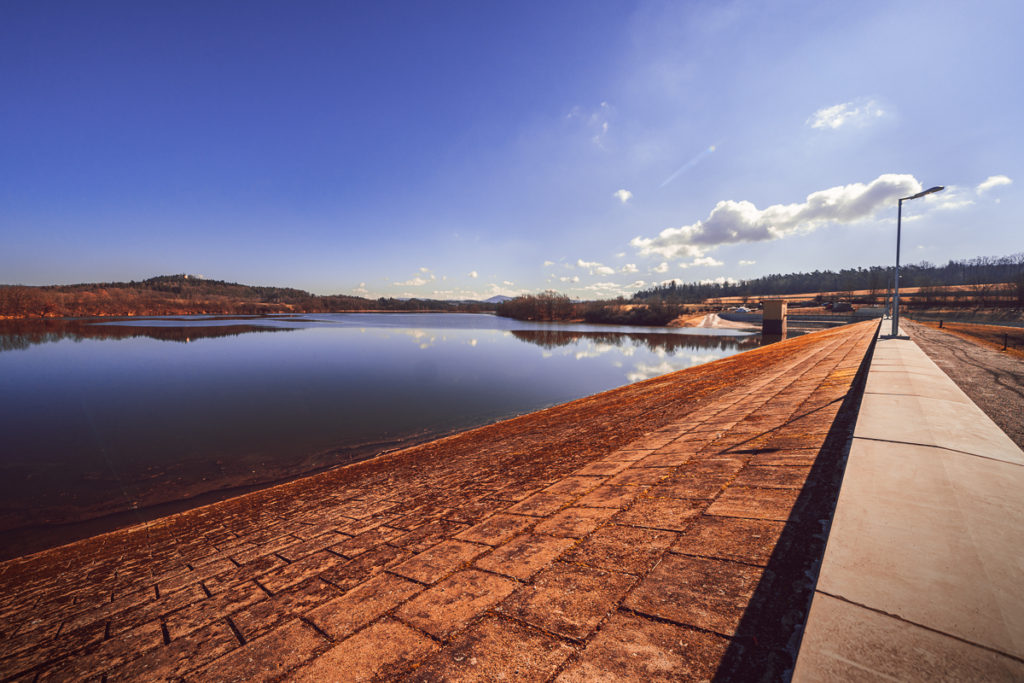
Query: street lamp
pixel 896 280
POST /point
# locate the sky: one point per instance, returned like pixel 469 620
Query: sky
pixel 467 149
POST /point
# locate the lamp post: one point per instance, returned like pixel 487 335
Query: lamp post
pixel 896 279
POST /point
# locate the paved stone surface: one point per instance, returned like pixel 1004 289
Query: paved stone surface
pixel 922 577
pixel 677 518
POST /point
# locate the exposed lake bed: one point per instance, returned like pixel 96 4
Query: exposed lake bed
pixel 120 420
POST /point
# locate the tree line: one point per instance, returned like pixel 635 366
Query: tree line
pixel 183 294
pixel 981 274
pixel 552 306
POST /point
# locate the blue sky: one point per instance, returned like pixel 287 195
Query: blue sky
pixel 465 149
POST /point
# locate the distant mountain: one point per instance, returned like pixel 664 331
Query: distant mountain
pixel 497 299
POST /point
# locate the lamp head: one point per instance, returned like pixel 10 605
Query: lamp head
pixel 937 188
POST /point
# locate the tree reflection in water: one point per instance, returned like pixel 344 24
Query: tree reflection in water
pixel 21 334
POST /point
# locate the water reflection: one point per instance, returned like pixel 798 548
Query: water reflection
pixel 667 342
pixel 19 335
pixel 126 422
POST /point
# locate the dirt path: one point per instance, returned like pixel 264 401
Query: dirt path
pixel 993 380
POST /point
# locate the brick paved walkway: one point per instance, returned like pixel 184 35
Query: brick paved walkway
pixel 661 531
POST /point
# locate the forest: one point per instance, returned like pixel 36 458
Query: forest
pixel 981 274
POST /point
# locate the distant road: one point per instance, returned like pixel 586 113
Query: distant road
pixel 993 380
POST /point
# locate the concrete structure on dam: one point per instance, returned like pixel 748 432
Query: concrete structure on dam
pixel 672 529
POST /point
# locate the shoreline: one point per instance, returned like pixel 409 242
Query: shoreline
pixel 29 539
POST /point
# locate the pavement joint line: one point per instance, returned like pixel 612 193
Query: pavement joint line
pixel 919 625
pixel 940 448
pixel 673 622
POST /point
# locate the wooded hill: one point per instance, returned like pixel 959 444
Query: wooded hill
pixel 980 275
pixel 184 294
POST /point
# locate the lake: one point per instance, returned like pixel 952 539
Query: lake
pixel 117 421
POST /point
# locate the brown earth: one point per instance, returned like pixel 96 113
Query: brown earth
pixel 711 320
pixel 1009 340
pixel 680 517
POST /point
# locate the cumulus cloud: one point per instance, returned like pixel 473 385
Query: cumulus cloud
pixel 595 268
pixel 361 289
pixel 473 274
pixel 857 113
pixel 414 282
pixel 629 268
pixel 424 270
pixel 548 263
pixel 574 278
pixel 623 195
pixel 732 222
pixel 661 267
pixel 744 262
pixel 993 181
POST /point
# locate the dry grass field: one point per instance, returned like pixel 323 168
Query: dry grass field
pixel 992 336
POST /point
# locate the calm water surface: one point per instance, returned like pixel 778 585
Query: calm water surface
pixel 101 417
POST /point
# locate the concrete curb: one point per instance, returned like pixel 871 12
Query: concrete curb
pixel 923 574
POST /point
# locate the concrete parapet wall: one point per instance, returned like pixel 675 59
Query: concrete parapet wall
pixel 922 576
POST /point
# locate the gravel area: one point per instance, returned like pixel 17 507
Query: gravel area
pixel 993 380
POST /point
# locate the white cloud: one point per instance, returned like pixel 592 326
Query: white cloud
pixel 548 263
pixel 605 287
pixel 661 267
pixel 623 195
pixel 629 268
pixel 595 267
pixel 361 289
pixel 507 283
pixel 720 281
pixel 993 181
pixel 414 282
pixel 574 278
pixel 857 113
pixel 951 198
pixel 594 122
pixel 473 274
pixel 731 221
pixel 702 261
pixel 424 270
pixel 744 262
